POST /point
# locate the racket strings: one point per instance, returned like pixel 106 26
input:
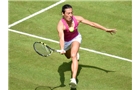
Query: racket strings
pixel 42 49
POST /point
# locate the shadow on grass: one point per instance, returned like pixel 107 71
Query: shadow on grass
pixel 73 89
pixel 66 66
pixel 47 87
pixel 50 88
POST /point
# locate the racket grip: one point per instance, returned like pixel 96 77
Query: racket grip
pixel 61 51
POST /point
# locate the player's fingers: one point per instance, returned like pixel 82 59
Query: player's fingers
pixel 62 51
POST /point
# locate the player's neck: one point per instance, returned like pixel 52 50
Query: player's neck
pixel 69 22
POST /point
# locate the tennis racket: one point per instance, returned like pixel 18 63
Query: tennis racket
pixel 43 49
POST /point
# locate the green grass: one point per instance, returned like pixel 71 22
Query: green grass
pixel 29 71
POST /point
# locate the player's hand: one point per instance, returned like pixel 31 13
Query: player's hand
pixel 62 51
pixel 111 31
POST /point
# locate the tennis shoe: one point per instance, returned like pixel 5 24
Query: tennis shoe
pixel 73 83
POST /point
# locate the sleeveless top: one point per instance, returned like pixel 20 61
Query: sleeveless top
pixel 68 36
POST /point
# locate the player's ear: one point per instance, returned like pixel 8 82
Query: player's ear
pixel 62 14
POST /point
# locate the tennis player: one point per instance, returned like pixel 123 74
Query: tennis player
pixel 70 38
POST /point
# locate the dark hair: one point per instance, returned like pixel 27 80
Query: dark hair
pixel 66 6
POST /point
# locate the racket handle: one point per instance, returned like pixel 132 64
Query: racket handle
pixel 61 51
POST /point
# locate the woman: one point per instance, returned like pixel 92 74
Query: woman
pixel 70 38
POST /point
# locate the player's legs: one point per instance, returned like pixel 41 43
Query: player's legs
pixel 68 54
pixel 74 66
pixel 74 50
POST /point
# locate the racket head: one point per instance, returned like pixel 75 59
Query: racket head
pixel 42 49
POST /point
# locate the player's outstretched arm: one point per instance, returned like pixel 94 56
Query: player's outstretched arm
pixel 94 24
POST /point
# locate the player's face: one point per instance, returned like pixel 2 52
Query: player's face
pixel 68 14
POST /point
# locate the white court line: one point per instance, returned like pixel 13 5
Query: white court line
pixel 32 15
pixel 86 49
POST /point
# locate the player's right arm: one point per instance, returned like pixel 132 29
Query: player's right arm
pixel 60 29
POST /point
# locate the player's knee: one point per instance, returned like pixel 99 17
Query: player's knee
pixel 73 55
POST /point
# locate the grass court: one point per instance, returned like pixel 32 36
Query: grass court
pixel 29 71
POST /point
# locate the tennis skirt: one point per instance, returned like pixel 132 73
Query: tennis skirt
pixel 67 45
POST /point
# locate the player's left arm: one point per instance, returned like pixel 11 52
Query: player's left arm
pixel 94 24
